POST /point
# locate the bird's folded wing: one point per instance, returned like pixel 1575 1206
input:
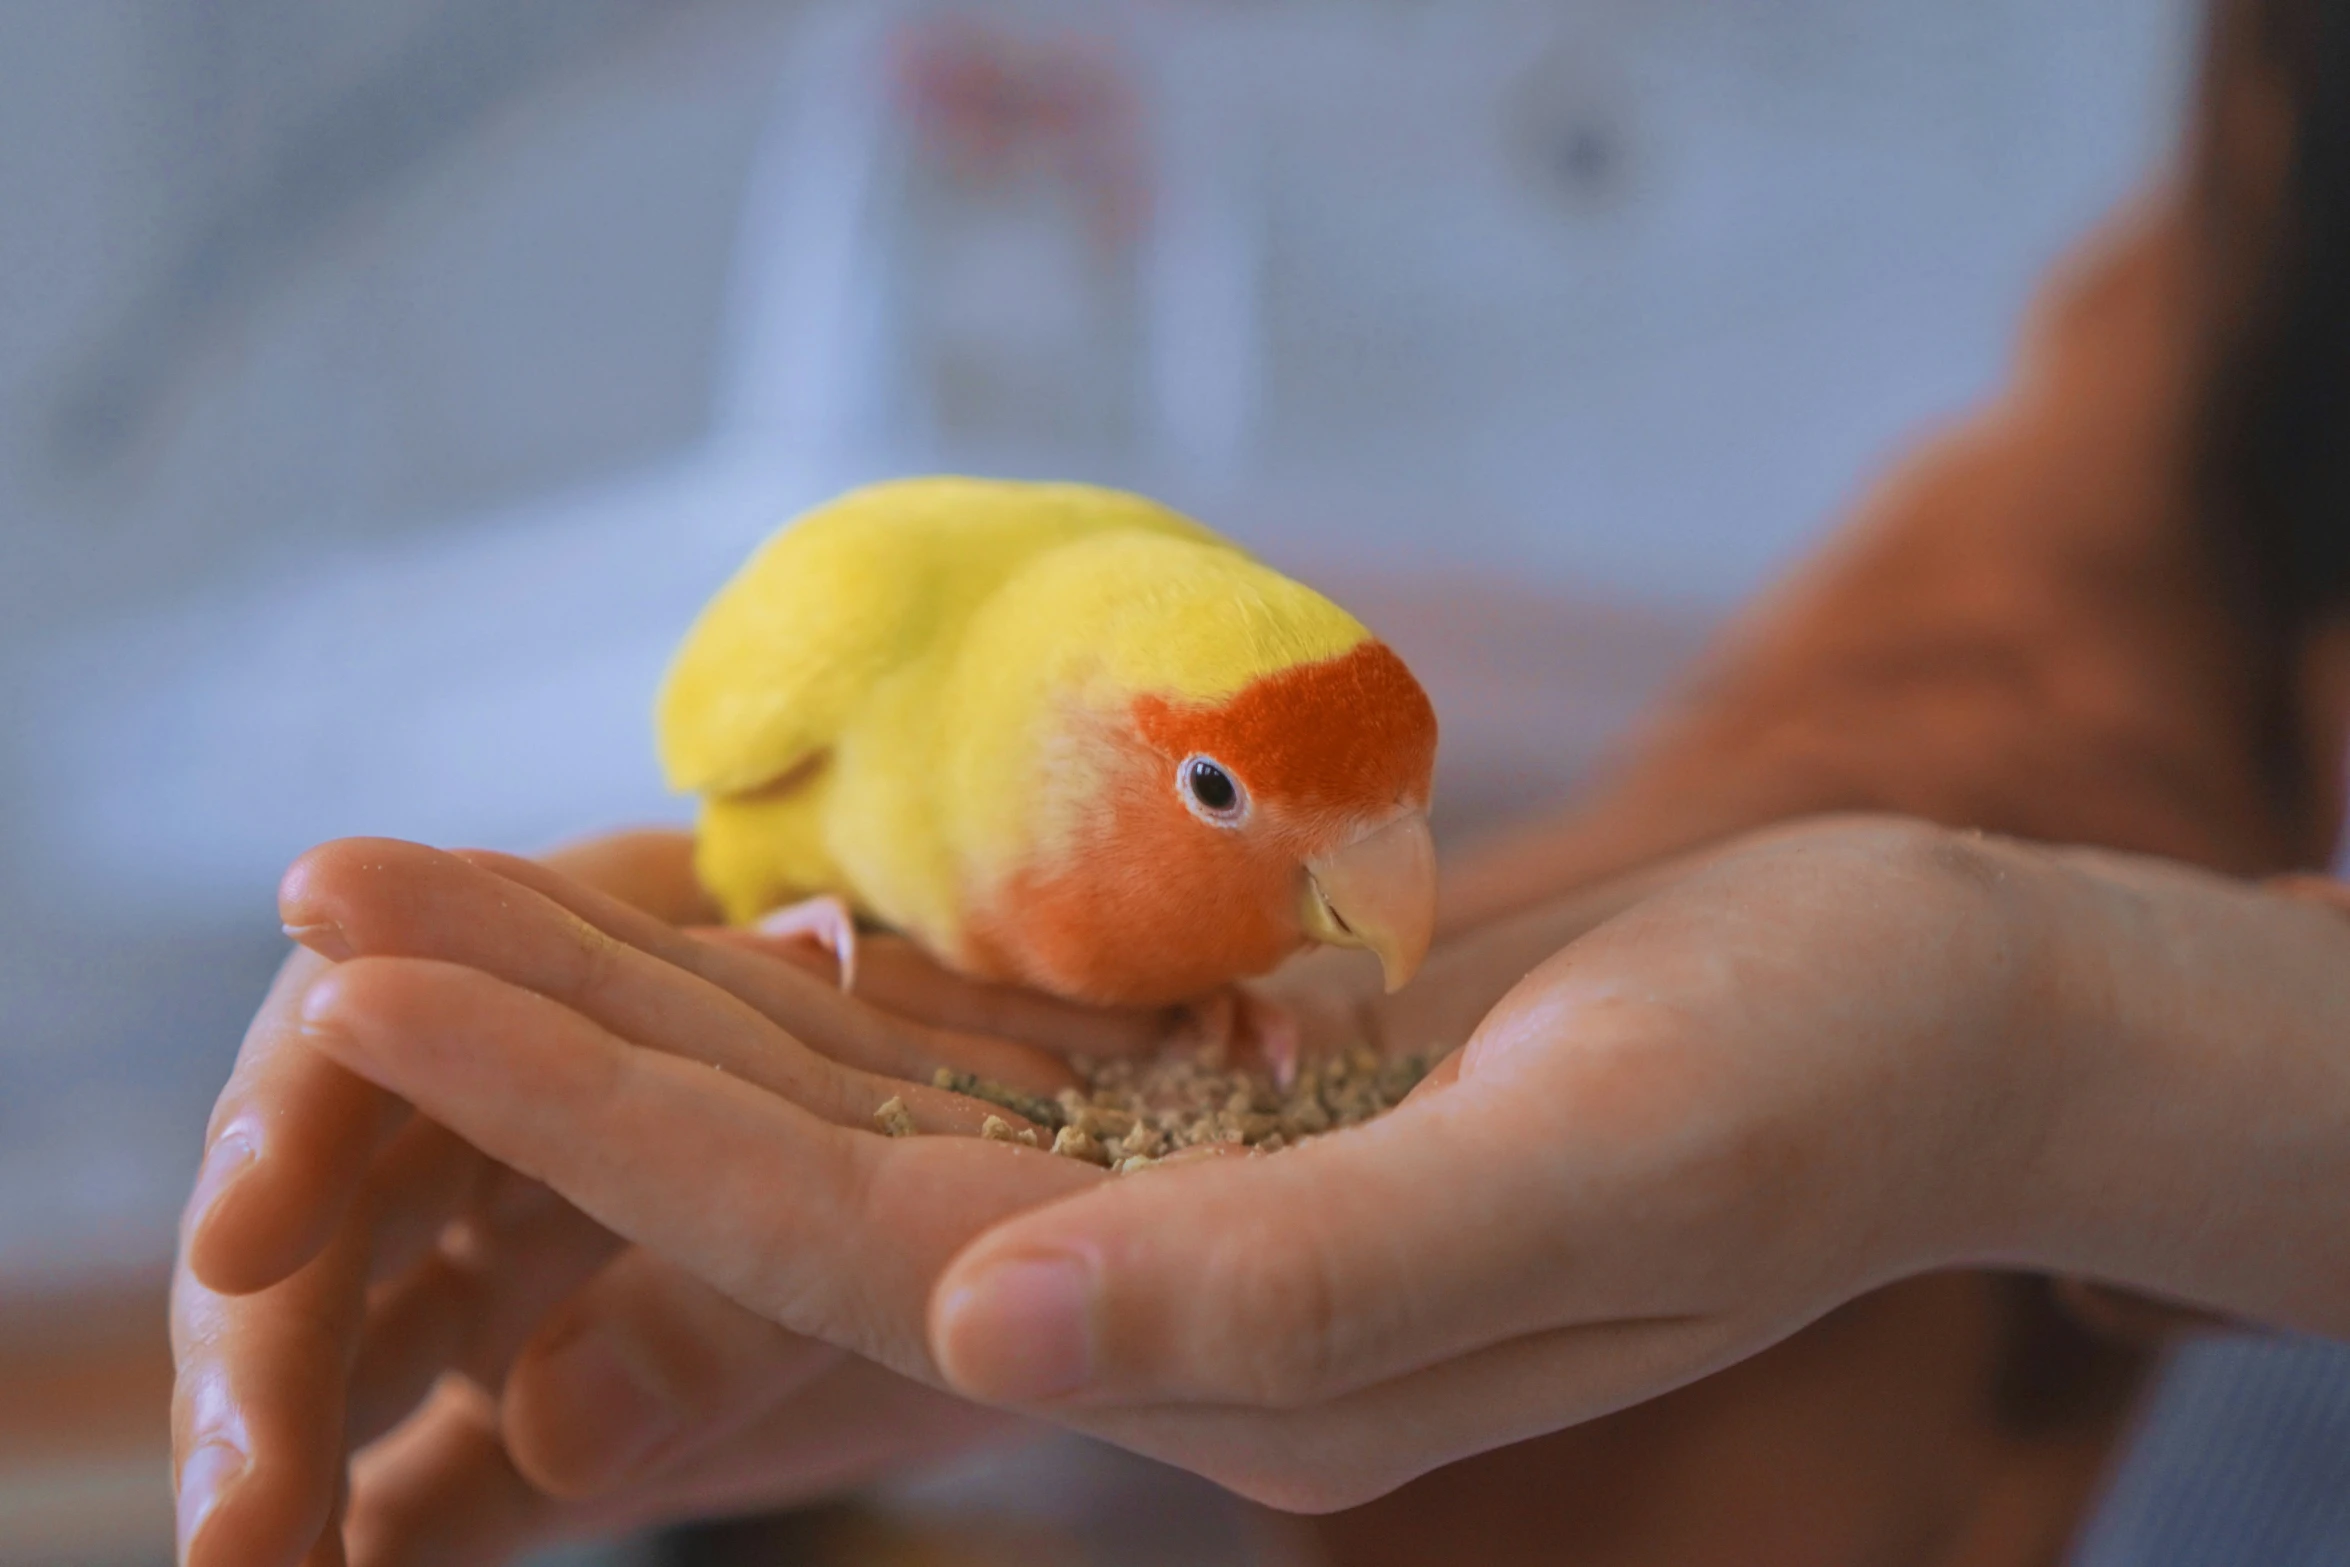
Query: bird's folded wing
pixel 790 649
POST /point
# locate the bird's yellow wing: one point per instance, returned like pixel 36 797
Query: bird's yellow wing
pixel 789 650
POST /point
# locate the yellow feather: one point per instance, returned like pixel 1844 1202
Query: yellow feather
pixel 787 652
pixel 1089 626
pixel 887 703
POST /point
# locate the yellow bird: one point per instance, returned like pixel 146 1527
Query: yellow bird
pixel 1060 736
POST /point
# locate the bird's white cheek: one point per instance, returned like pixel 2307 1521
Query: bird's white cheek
pixel 1070 796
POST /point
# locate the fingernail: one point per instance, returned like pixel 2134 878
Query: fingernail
pixel 231 1156
pixel 615 1409
pixel 325 939
pixel 208 1473
pixel 318 1011
pixel 1022 1331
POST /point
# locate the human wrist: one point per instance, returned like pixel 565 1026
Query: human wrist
pixel 2197 1135
pixel 2043 1085
pixel 1992 913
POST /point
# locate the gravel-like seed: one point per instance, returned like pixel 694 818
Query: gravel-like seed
pixel 1073 1142
pixel 998 1130
pixel 1043 1112
pixel 893 1118
pixel 1132 1114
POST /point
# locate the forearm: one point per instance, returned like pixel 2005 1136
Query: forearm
pixel 2196 1141
pixel 2018 632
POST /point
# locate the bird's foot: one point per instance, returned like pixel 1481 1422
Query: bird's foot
pixel 1235 1025
pixel 826 922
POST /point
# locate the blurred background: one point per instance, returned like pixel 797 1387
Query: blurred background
pixel 384 383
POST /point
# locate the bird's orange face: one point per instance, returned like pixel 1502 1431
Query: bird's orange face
pixel 1233 833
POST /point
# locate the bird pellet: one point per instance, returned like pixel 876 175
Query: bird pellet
pixel 893 1119
pixel 998 1130
pixel 1132 1114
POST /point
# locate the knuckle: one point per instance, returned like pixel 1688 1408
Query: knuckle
pixel 597 964
pixel 358 993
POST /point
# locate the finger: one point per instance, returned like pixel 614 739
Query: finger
pixel 328 1552
pixel 856 1423
pixel 1446 1226
pixel 626 994
pixel 895 974
pixel 810 1007
pixel 289 1141
pixel 481 1512
pixel 834 1233
pixel 642 1365
pixel 424 1178
pixel 539 929
pixel 912 1049
pixel 869 1032
pixel 442 1491
pixel 292 1135
pixel 650 868
pixel 468 1307
pixel 257 1408
pixel 228 1350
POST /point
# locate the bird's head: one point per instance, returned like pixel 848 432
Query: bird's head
pixel 1225 766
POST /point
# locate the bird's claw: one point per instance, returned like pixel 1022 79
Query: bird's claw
pixel 825 921
pixel 1235 1024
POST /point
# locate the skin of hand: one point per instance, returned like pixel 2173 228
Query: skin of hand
pixel 339 1252
pixel 1708 1173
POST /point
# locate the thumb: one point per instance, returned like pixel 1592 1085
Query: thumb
pixel 1277 1279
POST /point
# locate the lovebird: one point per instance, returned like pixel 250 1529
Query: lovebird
pixel 1060 736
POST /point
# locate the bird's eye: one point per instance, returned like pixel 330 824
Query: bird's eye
pixel 1213 794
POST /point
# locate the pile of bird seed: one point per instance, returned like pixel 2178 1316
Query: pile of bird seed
pixel 1132 1114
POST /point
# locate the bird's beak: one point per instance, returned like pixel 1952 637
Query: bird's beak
pixel 1377 892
